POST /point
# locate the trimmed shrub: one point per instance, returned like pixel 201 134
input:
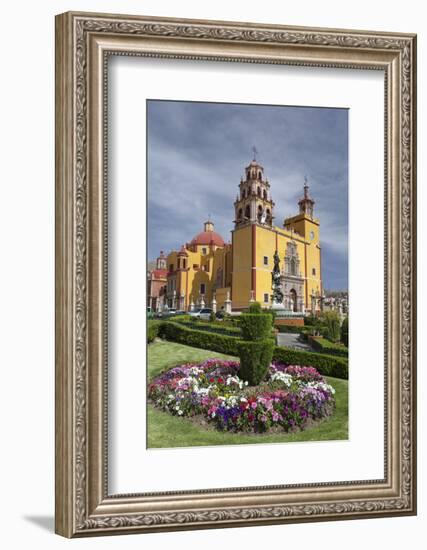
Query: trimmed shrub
pixel 344 331
pixel 328 365
pixel 198 338
pixel 271 312
pixel 255 326
pixel 294 329
pixel 256 348
pixel 152 330
pixel 255 359
pixel 217 328
pixel 325 346
pixel 255 308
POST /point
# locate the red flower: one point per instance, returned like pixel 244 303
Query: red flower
pixel 220 380
pixel 211 379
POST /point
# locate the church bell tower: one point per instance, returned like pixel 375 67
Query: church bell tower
pixel 306 204
pixel 254 203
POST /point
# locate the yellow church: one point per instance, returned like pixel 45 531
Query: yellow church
pixel 209 272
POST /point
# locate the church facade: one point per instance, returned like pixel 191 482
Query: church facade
pixel 207 271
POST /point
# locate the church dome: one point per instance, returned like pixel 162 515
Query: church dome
pixel 208 236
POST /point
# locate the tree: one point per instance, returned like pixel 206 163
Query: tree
pixel 344 331
pixel 332 322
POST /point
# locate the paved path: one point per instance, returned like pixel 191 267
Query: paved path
pixel 291 340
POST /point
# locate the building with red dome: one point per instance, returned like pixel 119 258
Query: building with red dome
pixel 209 271
pixel 200 270
pixel 208 237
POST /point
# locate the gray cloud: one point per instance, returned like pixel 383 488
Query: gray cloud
pixel 197 153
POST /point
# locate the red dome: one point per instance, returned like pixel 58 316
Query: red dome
pixel 159 273
pixel 208 237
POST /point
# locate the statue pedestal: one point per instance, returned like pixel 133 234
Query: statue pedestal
pixel 281 311
pixel 285 316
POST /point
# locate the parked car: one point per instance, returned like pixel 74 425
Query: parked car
pixel 169 313
pixel 204 313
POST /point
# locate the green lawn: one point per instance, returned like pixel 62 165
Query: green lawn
pixel 165 430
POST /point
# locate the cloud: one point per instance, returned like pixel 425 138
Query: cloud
pixel 197 153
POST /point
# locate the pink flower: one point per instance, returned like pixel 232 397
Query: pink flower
pixel 276 416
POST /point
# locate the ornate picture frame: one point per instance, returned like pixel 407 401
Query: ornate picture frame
pixel 84 506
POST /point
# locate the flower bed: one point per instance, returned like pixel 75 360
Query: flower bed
pixel 291 397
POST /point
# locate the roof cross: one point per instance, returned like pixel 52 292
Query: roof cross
pixel 255 152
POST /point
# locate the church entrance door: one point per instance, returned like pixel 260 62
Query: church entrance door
pixel 293 297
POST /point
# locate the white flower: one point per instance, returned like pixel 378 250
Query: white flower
pixel 282 377
pixel 180 413
pixel 320 386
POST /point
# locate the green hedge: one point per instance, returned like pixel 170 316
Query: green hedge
pixel 199 338
pixel 326 346
pixel 215 328
pixel 328 365
pixel 255 326
pixel 153 328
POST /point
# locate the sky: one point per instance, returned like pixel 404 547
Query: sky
pixel 197 153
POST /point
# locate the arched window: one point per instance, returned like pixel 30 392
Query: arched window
pixel 240 213
pixel 259 176
pixel 248 212
pixel 293 266
pixel 293 297
pixel 265 194
pixel 268 215
pixel 259 191
pixel 259 212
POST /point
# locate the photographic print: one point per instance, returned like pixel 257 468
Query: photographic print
pixel 247 280
pixel 252 176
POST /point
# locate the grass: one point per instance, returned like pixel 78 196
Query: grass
pixel 165 430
